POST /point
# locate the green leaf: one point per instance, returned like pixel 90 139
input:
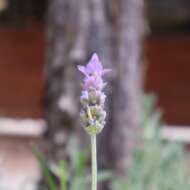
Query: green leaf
pixel 79 162
pixel 45 169
pixel 63 174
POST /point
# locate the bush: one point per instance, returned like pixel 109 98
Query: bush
pixel 73 176
pixel 157 164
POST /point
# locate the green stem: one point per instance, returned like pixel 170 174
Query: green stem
pixel 94 162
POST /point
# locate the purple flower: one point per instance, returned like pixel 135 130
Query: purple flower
pixel 94 67
pixel 92 98
pixel 102 98
pixel 93 82
pixel 84 95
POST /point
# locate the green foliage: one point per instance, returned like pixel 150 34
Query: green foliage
pixel 45 169
pixel 158 165
pixel 75 176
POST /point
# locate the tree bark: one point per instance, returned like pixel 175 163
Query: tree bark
pixel 115 30
pixel 127 89
pixel 61 99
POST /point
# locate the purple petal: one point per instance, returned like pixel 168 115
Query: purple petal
pixel 102 98
pixel 82 69
pixel 93 82
pixel 84 95
pixel 94 65
pixel 96 62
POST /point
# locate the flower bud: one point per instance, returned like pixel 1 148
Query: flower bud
pixel 84 98
pixel 92 98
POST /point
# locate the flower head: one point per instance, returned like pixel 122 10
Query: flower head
pixel 93 82
pixel 94 67
pixel 92 97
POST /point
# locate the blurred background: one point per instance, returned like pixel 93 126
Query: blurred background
pixel 26 48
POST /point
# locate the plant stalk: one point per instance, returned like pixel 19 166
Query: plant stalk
pixel 94 162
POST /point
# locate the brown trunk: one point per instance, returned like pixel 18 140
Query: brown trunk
pixel 127 89
pixel 61 105
pixel 115 30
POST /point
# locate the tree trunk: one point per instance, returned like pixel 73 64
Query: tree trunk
pixel 61 105
pixel 115 30
pixel 127 88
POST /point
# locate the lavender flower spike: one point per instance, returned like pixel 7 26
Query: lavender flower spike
pixel 92 98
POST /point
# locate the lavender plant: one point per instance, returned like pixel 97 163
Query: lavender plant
pixel 92 99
